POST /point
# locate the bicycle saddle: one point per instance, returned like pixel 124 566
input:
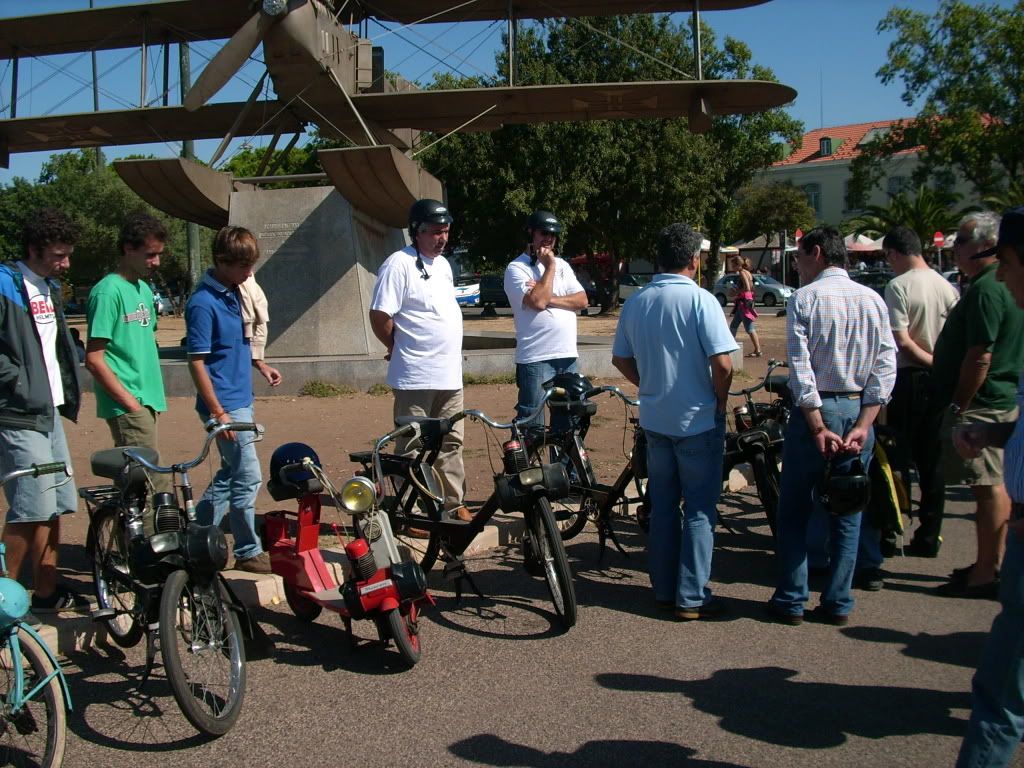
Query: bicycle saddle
pixel 110 462
pixel 778 385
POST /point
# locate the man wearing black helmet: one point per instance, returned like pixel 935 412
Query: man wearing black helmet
pixel 415 316
pixel 544 295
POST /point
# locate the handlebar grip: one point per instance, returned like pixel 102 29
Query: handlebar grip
pixel 244 426
pixel 51 468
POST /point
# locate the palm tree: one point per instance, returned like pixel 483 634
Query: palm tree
pixel 1013 195
pixel 927 211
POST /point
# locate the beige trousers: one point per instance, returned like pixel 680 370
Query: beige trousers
pixel 438 404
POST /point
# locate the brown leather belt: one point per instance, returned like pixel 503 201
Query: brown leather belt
pixel 846 395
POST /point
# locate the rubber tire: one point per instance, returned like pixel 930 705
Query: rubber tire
pixel 556 571
pixel 125 635
pixel 569 523
pixel 303 608
pixel 170 648
pixel 767 483
pixel 721 299
pixel 769 300
pixel 428 554
pixel 52 698
pixel 407 642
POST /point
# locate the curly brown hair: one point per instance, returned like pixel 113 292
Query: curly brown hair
pixel 47 226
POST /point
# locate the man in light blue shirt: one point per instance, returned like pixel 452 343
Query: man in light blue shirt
pixel 673 343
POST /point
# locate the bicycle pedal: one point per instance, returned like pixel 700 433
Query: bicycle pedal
pixel 102 614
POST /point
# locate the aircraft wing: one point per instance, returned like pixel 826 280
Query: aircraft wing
pixel 123 26
pixel 409 11
pixel 442 111
pixel 140 126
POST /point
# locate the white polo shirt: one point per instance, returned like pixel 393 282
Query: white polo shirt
pixel 428 321
pixel 547 334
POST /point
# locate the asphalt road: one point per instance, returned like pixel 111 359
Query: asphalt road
pixel 499 685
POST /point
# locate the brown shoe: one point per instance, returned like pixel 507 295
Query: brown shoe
pixel 257 564
pixel 415 533
pixel 462 513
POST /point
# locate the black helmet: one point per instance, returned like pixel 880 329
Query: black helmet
pixel 576 386
pixel 427 212
pixel 545 221
pixel 844 490
pixel 295 482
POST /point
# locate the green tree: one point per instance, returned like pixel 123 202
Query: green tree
pixel 615 184
pixel 964 65
pixel 926 211
pixel 766 209
pixel 99 201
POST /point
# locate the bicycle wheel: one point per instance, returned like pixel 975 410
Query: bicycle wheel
pixel 110 571
pixel 302 607
pixel 201 642
pixel 551 553
pixel 422 545
pixel 34 733
pixel 404 630
pixel 766 478
pixel 570 513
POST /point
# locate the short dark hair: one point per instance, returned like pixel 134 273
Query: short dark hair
pixel 833 249
pixel 236 245
pixel 678 245
pixel 903 240
pixel 138 228
pixel 47 226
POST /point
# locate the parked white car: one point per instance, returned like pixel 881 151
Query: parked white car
pixel 467 292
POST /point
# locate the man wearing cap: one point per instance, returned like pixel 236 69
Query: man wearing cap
pixel 978 358
pixel 919 301
pixel 997 701
pixel 544 295
pixel 414 314
pixel 842 368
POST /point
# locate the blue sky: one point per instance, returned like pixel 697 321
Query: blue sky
pixel 828 50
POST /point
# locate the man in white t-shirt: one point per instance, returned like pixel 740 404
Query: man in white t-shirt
pixel 544 295
pixel 919 300
pixel 38 385
pixel 415 315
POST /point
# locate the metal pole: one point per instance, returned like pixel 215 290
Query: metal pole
pixel 188 152
pixel 783 256
pixel 696 39
pixel 167 71
pixel 96 100
pixel 142 83
pixel 14 83
pixel 511 45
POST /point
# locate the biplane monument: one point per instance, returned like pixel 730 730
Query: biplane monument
pixel 322 245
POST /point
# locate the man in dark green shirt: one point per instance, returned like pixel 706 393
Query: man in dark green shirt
pixel 978 358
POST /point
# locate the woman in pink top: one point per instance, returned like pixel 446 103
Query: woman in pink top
pixel 743 308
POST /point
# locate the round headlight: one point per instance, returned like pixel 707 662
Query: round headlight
pixel 358 494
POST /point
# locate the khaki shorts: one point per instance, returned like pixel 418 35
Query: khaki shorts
pixel 987 469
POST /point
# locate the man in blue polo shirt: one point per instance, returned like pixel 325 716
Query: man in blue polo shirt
pixel 673 343
pixel 220 361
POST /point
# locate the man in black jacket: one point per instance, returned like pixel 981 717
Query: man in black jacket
pixel 38 384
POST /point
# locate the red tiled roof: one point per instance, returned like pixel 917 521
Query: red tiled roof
pixel 845 143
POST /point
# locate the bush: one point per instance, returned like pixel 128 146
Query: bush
pixel 501 378
pixel 318 388
pixel 379 390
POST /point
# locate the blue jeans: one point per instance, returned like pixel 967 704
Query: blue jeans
pixel 869 544
pixel 530 378
pixel 997 700
pixel 234 488
pixel 679 546
pixel 802 468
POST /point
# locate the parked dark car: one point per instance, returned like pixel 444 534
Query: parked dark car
pixel 492 291
pixel 876 280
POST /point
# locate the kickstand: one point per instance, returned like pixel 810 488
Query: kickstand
pixel 151 638
pixel 456 570
pixel 352 643
pixel 604 533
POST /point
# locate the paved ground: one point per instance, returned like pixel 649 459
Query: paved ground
pixel 499 685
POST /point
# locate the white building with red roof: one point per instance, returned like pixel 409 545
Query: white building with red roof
pixel 821 168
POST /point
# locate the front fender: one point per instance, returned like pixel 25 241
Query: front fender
pixel 53 660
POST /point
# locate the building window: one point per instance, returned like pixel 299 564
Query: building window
pixel 813 192
pixel 825 146
pixel 896 185
pixel 847 208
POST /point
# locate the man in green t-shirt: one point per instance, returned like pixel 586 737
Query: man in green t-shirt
pixel 121 353
pixel 977 361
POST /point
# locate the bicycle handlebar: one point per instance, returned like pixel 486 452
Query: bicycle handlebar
pixel 235 426
pixel 36 470
pixel 772 365
pixel 479 415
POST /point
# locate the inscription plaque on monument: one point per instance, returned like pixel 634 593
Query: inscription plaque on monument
pixel 318 261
